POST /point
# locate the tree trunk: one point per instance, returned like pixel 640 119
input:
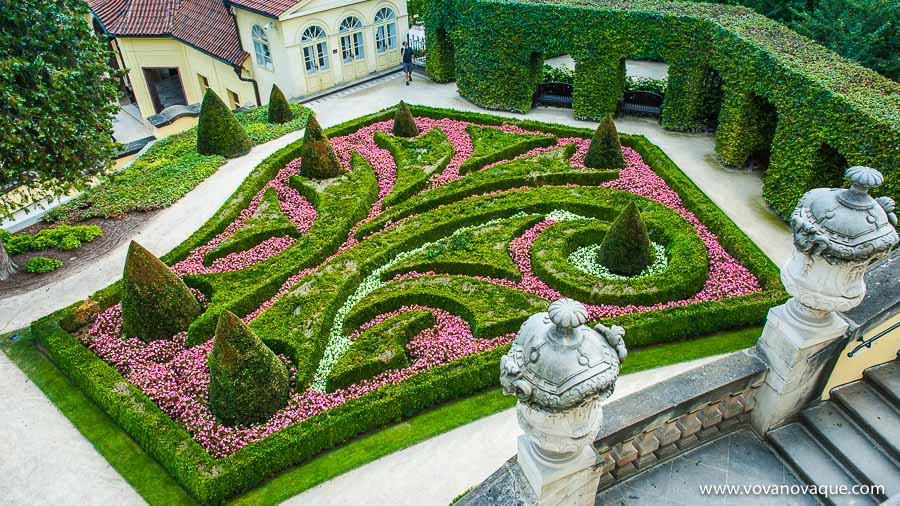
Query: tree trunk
pixel 7 267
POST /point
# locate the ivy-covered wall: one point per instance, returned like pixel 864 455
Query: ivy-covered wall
pixel 822 103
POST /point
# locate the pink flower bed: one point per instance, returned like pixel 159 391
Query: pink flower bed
pixel 177 377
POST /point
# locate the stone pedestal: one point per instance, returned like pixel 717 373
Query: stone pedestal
pixel 561 371
pixel 559 484
pixel 797 354
pixel 837 235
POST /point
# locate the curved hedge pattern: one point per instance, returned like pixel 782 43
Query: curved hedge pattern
pixel 495 49
pixel 383 305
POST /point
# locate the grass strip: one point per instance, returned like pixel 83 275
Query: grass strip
pixel 156 486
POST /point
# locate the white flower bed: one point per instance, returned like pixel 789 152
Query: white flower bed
pixel 585 260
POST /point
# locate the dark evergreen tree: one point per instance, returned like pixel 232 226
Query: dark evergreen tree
pixel 605 151
pixel 404 123
pixel 317 158
pixel 626 248
pixel 156 304
pixel 279 109
pixel 218 131
pixel 247 382
pixel 58 97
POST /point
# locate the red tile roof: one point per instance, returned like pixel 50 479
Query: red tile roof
pixel 204 24
pixel 272 8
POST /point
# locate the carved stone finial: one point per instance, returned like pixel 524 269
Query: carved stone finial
pixel 837 234
pixel 561 371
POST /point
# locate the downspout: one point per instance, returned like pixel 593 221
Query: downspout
pixel 238 69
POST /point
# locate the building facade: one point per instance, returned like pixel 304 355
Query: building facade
pixel 175 51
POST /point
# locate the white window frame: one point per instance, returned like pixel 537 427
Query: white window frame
pixel 385 30
pixel 261 47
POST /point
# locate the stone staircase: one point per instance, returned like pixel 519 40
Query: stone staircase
pixel 852 439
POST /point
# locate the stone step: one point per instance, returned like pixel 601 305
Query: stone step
pixel 875 414
pixel 887 378
pixel 848 443
pixel 814 465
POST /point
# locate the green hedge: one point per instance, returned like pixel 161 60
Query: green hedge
pixel 495 49
pixel 212 480
pixel 683 277
pixel 416 160
pixel 378 349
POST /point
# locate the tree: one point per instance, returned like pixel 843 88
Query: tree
pixel 156 304
pixel 404 123
pixel 218 131
pixel 866 31
pixel 247 381
pixel 279 109
pixel 625 249
pixel 317 158
pixel 605 151
pixel 57 99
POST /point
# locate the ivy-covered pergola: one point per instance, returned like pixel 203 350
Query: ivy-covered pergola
pixel 814 111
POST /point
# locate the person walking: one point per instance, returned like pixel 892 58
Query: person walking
pixel 406 54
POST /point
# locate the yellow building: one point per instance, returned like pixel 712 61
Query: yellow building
pixel 175 50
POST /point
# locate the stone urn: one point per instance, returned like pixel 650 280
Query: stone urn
pixel 561 371
pixel 838 233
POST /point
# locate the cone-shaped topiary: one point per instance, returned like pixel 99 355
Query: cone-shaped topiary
pixel 218 131
pixel 626 248
pixel 156 304
pixel 317 158
pixel 605 151
pixel 247 382
pixel 279 110
pixel 404 123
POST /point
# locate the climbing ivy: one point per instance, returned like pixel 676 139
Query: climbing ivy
pixel 824 103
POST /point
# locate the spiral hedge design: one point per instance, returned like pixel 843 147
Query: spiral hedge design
pixel 400 283
pixel 817 112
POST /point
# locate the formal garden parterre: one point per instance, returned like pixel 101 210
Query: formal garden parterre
pixel 334 305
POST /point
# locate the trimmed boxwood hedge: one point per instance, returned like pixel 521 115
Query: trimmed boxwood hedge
pixel 212 480
pixel 683 277
pixel 495 49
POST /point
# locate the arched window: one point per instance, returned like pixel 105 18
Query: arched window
pixel 385 30
pixel 261 47
pixel 315 49
pixel 352 40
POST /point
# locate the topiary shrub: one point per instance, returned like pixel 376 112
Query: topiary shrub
pixel 247 382
pixel 279 110
pixel 218 131
pixel 625 249
pixel 156 304
pixel 404 123
pixel 317 158
pixel 605 151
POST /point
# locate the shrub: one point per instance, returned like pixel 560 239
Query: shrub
pixel 247 381
pixel 625 249
pixel 62 237
pixel 279 109
pixel 37 265
pixel 218 132
pixel 404 123
pixel 317 158
pixel 156 304
pixel 605 151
